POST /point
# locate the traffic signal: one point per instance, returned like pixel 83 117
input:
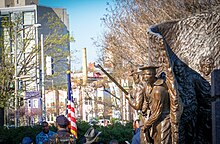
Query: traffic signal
pixel 49 65
pixel 21 101
pixel 20 84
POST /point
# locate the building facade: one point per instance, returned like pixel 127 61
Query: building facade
pixel 16 3
pixel 55 101
pixel 24 41
pixel 100 98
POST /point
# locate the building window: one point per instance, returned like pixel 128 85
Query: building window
pixel 53 104
pixel 52 117
pixel 29 103
pixel 90 102
pixel 29 18
pixel 17 1
pixel 35 103
pixel 61 104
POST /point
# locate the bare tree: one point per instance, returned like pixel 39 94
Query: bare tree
pixel 125 43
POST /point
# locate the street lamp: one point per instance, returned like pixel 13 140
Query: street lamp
pixel 16 72
pixel 43 79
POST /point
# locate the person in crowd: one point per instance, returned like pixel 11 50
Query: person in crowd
pixel 27 140
pixel 43 137
pixel 137 128
pixel 114 141
pixel 63 135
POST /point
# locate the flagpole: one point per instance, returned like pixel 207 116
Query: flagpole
pixel 70 104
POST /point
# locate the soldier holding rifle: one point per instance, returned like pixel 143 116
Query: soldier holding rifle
pixel 151 94
pixel 156 94
pixel 136 96
pixel 137 100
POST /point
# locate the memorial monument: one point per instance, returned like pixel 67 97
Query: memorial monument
pixel 187 51
pixel 173 89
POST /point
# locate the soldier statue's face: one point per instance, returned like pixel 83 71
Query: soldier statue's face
pixel 206 65
pixel 136 78
pixel 179 68
pixel 149 75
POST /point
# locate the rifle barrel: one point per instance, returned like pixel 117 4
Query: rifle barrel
pixel 109 76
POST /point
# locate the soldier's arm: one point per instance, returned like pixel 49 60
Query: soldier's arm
pixel 136 100
pixel 157 109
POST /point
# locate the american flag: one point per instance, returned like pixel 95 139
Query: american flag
pixel 70 107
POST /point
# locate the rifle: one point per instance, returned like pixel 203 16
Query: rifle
pixel 113 80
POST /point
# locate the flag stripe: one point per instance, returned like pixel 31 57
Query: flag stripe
pixel 70 108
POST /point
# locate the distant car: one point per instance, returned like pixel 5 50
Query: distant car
pixel 10 126
pixel 104 122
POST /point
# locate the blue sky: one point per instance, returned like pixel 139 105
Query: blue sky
pixel 85 24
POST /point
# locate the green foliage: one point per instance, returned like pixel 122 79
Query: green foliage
pixel 15 135
pixel 116 131
pixel 82 127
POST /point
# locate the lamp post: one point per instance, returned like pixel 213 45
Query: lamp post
pixel 43 78
pixel 16 77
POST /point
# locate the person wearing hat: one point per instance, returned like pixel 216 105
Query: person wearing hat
pixel 135 97
pixel 43 137
pixel 91 136
pixel 62 136
pixel 156 95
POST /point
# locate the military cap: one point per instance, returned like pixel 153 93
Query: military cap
pixel 134 72
pixel 62 120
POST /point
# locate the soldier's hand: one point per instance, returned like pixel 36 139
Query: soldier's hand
pixel 143 129
pixel 127 96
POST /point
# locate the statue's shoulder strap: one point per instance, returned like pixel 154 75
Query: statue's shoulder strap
pixel 159 82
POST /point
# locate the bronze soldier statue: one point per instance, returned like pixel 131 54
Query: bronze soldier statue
pixel 156 95
pixel 136 96
pixel 150 94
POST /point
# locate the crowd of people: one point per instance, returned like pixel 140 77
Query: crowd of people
pixel 46 136
pixel 63 135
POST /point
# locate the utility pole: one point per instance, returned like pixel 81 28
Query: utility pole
pixel 43 78
pixel 16 78
pixel 85 73
pixel 84 64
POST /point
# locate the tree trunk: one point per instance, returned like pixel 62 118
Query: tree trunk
pixel 1 116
